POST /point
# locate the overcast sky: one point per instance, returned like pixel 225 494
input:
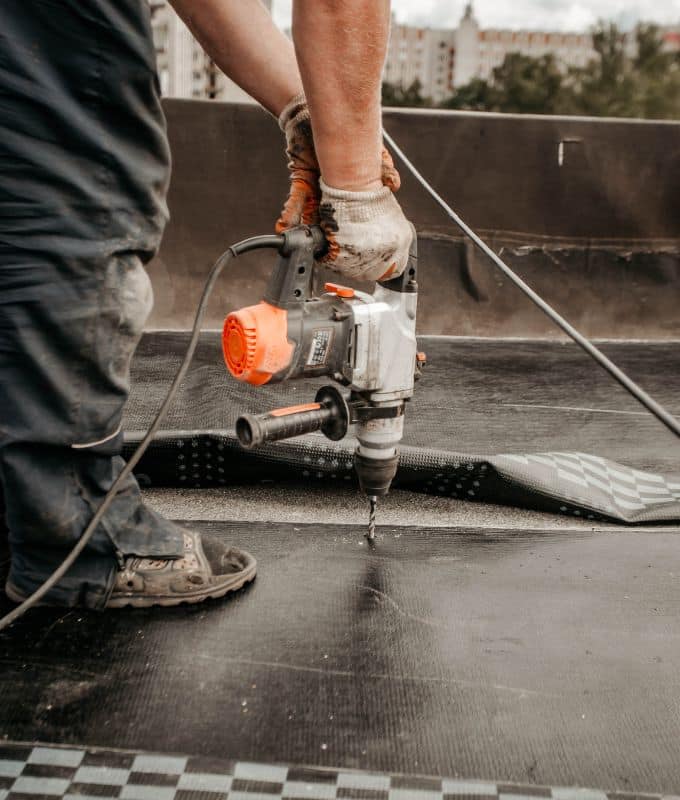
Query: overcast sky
pixel 544 14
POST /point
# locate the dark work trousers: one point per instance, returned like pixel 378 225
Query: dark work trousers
pixel 84 168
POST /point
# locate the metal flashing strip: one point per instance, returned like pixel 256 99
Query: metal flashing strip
pixel 71 772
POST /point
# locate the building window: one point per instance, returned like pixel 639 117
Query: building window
pixel 164 78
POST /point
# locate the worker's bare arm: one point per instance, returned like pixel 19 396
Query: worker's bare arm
pixel 244 42
pixel 341 49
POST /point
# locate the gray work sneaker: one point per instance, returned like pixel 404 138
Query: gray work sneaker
pixel 208 568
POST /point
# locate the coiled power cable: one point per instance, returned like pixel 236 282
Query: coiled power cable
pixel 272 241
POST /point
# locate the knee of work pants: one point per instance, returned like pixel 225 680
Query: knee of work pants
pixel 67 334
pixel 65 351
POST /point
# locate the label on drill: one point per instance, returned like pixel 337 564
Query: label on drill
pixel 320 347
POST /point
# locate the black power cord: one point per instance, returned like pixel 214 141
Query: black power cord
pixel 629 385
pixel 255 243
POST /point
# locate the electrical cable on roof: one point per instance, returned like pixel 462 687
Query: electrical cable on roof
pixel 628 384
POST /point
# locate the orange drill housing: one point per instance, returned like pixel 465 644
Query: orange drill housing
pixel 255 343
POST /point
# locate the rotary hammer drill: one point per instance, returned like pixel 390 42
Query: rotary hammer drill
pixel 365 343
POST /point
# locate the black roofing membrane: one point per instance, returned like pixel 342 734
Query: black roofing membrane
pixel 546 657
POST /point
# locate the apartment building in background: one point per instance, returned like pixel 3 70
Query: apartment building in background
pixel 479 51
pixel 670 35
pixel 441 60
pixel 422 54
pixel 184 68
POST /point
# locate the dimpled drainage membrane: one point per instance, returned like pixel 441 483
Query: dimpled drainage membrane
pixel 532 424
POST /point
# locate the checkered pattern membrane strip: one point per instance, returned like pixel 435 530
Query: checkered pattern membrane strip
pixel 31 772
pixel 594 483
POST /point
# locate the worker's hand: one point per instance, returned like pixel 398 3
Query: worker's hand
pixel 302 205
pixel 368 235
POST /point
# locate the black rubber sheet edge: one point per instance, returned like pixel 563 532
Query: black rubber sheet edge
pixel 571 483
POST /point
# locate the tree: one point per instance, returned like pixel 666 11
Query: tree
pixel 526 85
pixel 657 86
pixel 606 86
pixel 394 95
pixel 520 85
pixel 477 95
pixel 619 81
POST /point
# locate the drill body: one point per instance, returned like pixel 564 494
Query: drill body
pixel 365 343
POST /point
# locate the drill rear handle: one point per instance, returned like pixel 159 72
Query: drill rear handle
pixel 292 280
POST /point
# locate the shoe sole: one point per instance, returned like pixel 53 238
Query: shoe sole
pixel 140 601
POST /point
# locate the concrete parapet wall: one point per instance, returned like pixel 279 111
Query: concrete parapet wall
pixel 587 211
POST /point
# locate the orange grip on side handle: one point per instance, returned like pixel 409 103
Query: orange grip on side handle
pixel 283 423
pixel 284 412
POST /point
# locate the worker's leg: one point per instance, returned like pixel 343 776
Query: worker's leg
pixel 84 168
pixel 68 328
pixel 4 544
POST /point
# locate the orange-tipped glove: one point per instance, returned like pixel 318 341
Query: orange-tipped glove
pixel 302 204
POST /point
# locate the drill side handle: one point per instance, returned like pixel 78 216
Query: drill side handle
pixel 329 413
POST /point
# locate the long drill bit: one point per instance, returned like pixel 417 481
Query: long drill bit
pixel 371 518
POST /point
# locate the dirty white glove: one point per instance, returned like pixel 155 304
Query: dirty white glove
pixel 302 204
pixel 368 235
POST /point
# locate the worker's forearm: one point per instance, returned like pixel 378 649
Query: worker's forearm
pixel 341 49
pixel 240 36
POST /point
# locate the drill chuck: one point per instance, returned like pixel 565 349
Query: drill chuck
pixel 377 456
pixel 375 474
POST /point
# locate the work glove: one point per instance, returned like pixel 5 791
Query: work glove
pixel 302 204
pixel 368 235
